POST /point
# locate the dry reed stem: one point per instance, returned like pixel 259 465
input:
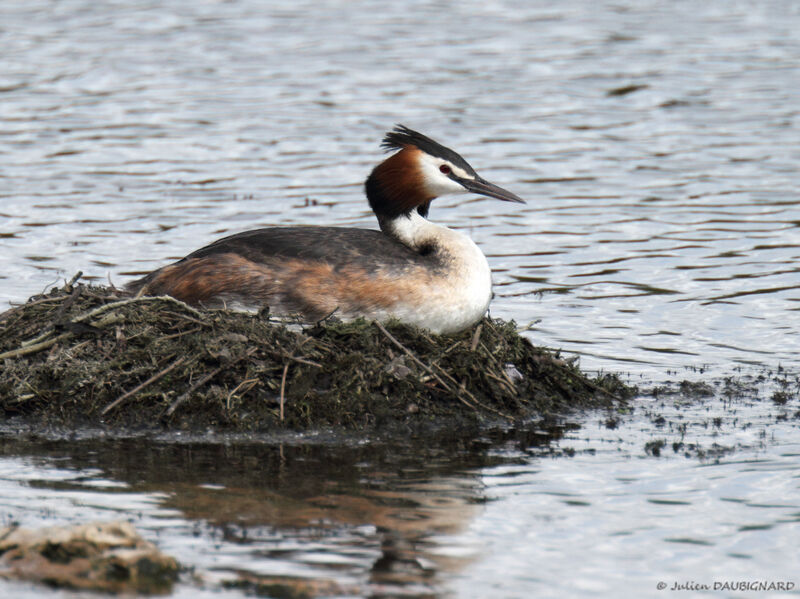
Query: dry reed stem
pixel 251 382
pixel 174 405
pixel 32 349
pixel 42 342
pixel 283 386
pixel 476 337
pixel 426 367
pixel 149 381
pixel 37 347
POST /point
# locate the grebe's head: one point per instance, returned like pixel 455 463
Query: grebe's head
pixel 420 171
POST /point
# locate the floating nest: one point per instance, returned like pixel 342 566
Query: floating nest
pixel 85 355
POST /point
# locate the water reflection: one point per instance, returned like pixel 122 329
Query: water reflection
pixel 699 482
pixel 353 519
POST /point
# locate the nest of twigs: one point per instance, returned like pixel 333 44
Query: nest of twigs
pixel 96 356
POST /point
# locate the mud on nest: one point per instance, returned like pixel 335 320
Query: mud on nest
pixel 94 356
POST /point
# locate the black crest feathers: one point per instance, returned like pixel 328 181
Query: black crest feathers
pixel 401 136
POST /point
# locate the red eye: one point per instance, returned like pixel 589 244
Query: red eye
pixel 445 169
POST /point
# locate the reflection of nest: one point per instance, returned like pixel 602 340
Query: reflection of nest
pixel 85 352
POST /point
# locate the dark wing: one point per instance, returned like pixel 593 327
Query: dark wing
pixel 369 251
pixel 332 245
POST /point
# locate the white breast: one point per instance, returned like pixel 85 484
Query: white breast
pixel 459 296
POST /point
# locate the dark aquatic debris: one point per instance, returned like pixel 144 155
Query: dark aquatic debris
pixel 625 90
pixel 84 355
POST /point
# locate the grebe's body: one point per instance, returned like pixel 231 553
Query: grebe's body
pixel 413 270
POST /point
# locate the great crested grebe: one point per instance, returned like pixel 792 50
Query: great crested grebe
pixel 413 270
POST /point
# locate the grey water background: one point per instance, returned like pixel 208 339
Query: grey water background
pixel 657 144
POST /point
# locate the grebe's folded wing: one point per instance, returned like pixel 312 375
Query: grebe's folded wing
pixel 332 245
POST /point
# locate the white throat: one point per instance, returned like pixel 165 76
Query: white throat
pixel 412 230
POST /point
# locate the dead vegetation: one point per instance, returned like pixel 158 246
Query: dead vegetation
pixel 91 355
pixel 100 556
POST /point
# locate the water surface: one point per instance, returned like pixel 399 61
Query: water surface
pixel 657 147
pixel 657 144
pixel 592 511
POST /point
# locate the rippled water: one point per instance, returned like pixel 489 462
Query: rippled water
pixel 593 514
pixel 657 144
pixel 663 226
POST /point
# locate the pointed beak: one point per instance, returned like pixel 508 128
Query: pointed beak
pixel 484 188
